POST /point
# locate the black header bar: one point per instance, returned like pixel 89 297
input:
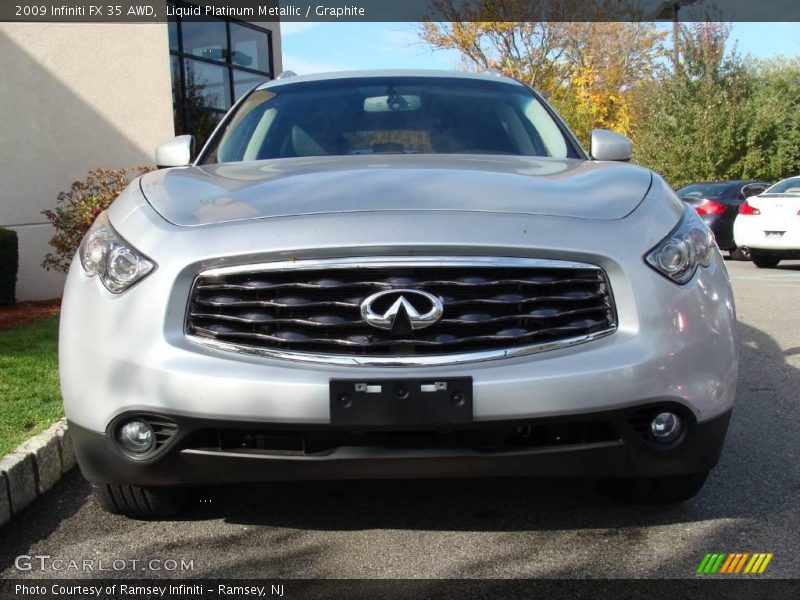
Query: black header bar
pixel 699 588
pixel 154 11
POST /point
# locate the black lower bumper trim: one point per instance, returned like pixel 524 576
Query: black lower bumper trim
pixel 781 254
pixel 628 455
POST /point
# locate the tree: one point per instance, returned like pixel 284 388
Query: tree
pixel 529 52
pixel 692 125
pixel 773 113
pixel 608 63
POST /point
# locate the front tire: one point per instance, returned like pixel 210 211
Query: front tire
pixel 667 489
pixel 139 502
pixel 765 260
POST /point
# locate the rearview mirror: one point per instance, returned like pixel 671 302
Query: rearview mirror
pixel 177 152
pixel 609 145
pixel 395 103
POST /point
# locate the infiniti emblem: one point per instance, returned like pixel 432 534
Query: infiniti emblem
pixel 401 311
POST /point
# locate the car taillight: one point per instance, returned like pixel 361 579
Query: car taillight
pixel 747 209
pixel 709 207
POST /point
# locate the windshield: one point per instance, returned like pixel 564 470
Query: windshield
pixel 703 190
pixel 787 186
pixel 399 115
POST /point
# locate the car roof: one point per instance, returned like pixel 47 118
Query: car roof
pixel 417 73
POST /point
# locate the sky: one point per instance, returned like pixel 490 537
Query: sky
pixel 321 47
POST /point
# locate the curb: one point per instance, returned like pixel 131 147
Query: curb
pixel 33 468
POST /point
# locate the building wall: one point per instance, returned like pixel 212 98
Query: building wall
pixel 74 97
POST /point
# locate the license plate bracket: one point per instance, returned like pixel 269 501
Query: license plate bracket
pixel 401 402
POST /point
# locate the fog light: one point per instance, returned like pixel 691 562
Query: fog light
pixel 666 427
pixel 136 437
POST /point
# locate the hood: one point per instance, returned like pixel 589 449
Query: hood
pixel 219 193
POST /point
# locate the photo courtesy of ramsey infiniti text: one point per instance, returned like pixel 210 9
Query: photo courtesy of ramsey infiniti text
pixel 396 274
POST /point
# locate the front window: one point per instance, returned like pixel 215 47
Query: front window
pixel 393 115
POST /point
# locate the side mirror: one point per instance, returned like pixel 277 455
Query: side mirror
pixel 609 145
pixel 177 152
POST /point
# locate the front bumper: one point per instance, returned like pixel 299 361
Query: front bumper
pixel 676 343
pixel 622 450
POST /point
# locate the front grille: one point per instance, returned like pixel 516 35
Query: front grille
pixel 480 438
pixel 164 431
pixel 317 309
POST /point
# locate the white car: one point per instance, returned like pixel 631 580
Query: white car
pixel 769 224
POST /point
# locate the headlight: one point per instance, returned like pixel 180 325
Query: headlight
pixel 105 254
pixel 691 244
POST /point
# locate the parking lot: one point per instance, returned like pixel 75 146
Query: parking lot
pixel 479 528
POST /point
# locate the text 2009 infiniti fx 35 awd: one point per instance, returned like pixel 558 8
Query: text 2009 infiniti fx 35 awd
pixel 396 274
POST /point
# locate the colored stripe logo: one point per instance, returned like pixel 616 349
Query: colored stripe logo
pixel 735 563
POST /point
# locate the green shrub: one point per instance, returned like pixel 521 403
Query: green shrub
pixel 77 209
pixel 9 263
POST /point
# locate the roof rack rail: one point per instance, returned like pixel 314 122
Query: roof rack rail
pixel 286 75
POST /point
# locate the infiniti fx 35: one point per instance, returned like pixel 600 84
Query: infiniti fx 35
pixel 401 274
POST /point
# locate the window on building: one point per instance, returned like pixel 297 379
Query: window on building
pixel 214 62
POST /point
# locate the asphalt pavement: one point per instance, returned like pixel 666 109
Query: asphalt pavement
pixel 473 528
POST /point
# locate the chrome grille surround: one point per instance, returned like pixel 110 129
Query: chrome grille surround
pixel 215 314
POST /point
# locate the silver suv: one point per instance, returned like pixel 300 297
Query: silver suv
pixel 396 274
